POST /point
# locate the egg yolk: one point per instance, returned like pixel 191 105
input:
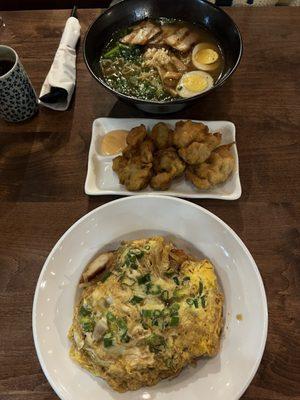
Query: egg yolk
pixel 195 83
pixel 206 56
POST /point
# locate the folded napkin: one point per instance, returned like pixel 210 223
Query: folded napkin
pixel 57 90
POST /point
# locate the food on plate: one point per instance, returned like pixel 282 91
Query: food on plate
pixel 162 136
pixel 163 154
pixel 113 142
pixel 198 152
pixel 132 172
pixel 162 60
pixel 215 170
pixel 187 132
pixel 167 166
pixel 153 310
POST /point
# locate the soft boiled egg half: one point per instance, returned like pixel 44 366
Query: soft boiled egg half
pixel 206 56
pixel 193 83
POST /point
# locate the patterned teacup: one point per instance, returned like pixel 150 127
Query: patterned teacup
pixel 18 100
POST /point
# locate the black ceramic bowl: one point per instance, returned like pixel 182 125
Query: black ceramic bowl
pixel 129 12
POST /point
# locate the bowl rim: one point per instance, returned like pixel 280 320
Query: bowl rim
pixel 155 102
pixel 255 367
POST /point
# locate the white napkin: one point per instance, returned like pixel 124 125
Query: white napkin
pixel 62 73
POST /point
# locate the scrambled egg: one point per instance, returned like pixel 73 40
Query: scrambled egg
pixel 154 310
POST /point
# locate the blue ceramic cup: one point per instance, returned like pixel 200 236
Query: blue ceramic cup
pixel 18 100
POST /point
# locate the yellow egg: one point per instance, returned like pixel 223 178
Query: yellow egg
pixel 193 83
pixel 205 56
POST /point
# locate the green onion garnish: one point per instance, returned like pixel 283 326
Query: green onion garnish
pixel 144 279
pixel 110 317
pixel 176 280
pixel 136 300
pixel 125 338
pixel 84 312
pixel 200 288
pixel 88 326
pixel 147 247
pixel 203 301
pixel 108 340
pixel 147 313
pixel 190 301
pixel 155 343
pixel 156 313
pixel 165 295
pixel 174 321
pixel 196 303
pixel 105 275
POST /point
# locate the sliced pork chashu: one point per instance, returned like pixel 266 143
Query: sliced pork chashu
pixel 141 33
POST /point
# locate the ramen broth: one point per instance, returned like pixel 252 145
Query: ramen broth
pixel 159 60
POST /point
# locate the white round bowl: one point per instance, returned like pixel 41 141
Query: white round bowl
pixel 195 229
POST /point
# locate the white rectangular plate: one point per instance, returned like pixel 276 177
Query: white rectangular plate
pixel 102 180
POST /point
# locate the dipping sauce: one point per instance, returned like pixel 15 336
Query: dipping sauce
pixel 113 142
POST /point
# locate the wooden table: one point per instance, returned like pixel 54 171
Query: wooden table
pixel 43 166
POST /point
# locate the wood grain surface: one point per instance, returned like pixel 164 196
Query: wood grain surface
pixel 43 165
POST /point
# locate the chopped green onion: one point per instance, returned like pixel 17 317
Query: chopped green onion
pixel 148 287
pixel 179 293
pixel 190 301
pixel 176 280
pixel 196 303
pixel 125 338
pixel 144 279
pixel 165 312
pixel 84 312
pixel 105 276
pixel 121 322
pixel 165 295
pixel 147 247
pixel 203 301
pixel 156 313
pixel 155 343
pixel 169 273
pixel 88 326
pixel 107 342
pixel 136 300
pixel 200 288
pixel 155 322
pixel 110 317
pixel 186 279
pixel 174 309
pixel 147 313
pixel 174 321
pixel 179 88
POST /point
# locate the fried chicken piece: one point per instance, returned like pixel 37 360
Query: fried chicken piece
pixel 141 33
pixel 146 151
pixel 132 173
pixel 162 136
pixel 136 135
pixel 215 170
pixel 161 181
pixel 187 132
pixel 198 152
pixel 167 166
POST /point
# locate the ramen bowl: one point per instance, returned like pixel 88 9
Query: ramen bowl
pixel 129 12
